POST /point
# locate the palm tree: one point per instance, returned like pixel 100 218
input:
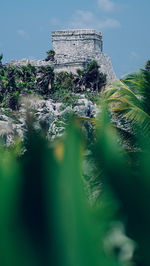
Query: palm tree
pixel 130 99
pixel 147 66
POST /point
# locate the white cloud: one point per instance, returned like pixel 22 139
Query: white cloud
pixel 82 19
pixel 23 34
pixel 109 23
pixel 86 19
pixel 106 5
pixel 84 15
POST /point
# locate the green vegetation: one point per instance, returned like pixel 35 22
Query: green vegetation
pixel 1 57
pixel 66 97
pixel 43 198
pixel 18 81
pixel 64 80
pixel 47 212
pixel 50 55
pixel 90 78
pixel 147 66
pixel 130 99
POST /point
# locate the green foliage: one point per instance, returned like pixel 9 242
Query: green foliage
pixel 129 179
pixel 24 80
pixel 45 215
pixel 80 71
pixel 51 52
pixel 92 65
pixel 43 199
pixel 130 99
pixel 50 55
pixel 90 78
pixel 66 97
pixel 42 81
pixel 13 100
pixel 1 57
pixel 64 81
pixel 147 66
pixel 45 82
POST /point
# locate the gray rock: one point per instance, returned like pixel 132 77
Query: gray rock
pixel 45 111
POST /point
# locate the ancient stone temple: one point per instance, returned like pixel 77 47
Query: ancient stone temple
pixel 73 50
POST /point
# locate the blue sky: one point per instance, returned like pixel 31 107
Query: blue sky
pixel 25 28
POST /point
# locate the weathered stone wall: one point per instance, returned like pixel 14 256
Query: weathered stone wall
pixel 75 48
pixel 76 45
pixel 105 64
pixel 25 61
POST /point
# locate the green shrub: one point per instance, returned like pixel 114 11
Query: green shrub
pixel 80 71
pixel 42 196
pixel 92 65
pixel 90 78
pixel 43 199
pixel 13 100
pixel 147 66
pixel 1 57
pixel 64 80
pixel 50 55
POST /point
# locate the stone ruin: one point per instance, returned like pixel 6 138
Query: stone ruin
pixel 73 50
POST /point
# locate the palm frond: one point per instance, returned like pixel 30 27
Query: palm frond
pixel 119 87
pixel 139 118
pixel 131 99
pixel 124 96
pixel 140 84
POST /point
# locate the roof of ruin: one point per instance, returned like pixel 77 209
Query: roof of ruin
pixel 76 32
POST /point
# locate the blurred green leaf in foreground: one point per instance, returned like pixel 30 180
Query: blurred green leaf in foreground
pixel 45 216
